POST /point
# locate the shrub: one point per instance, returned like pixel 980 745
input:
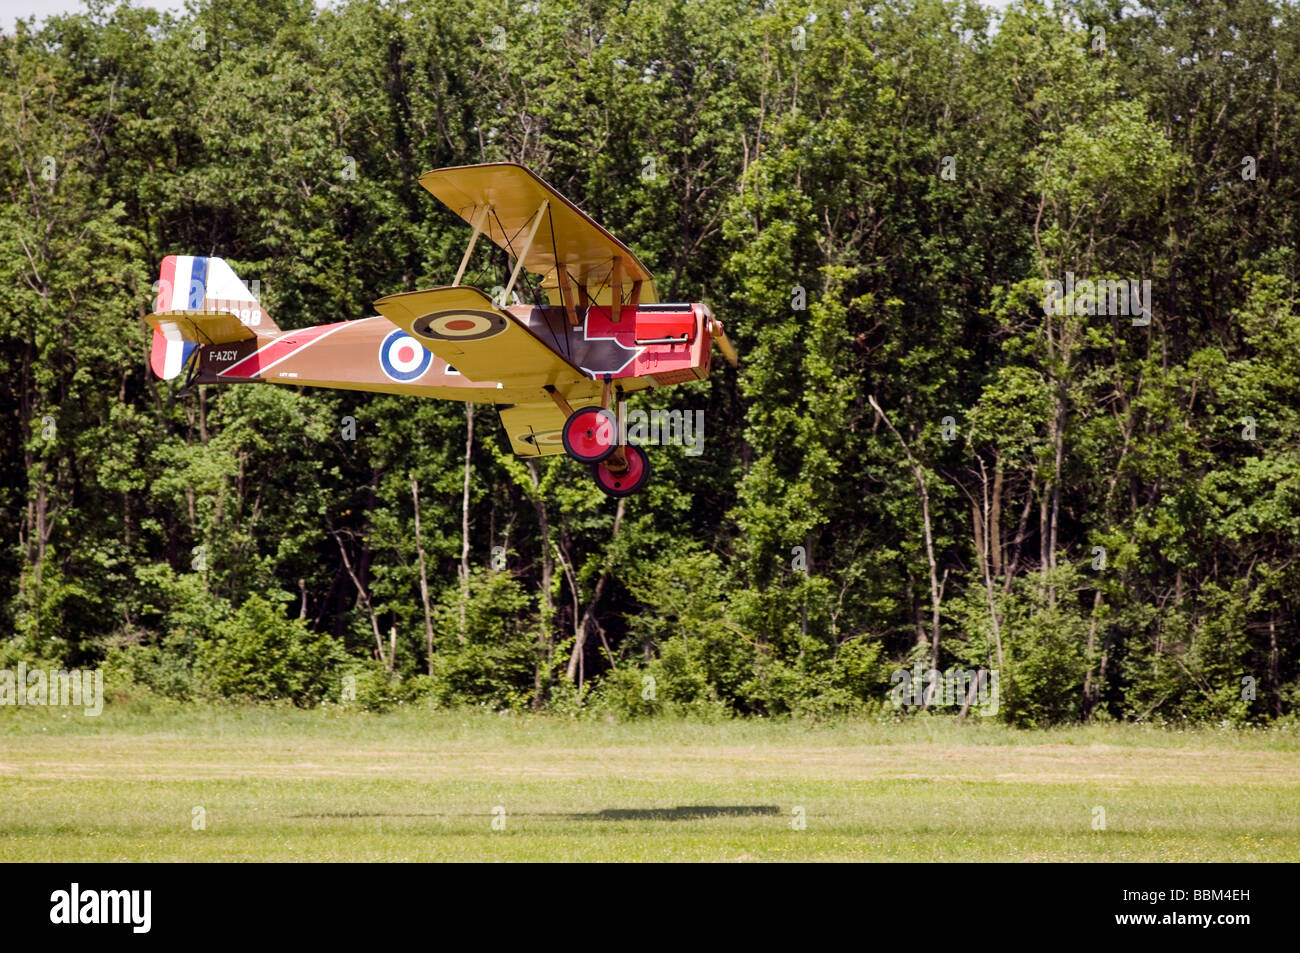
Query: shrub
pixel 260 654
pixel 165 669
pixel 675 682
pixel 366 685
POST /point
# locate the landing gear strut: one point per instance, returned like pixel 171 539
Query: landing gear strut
pixel 591 436
pixel 631 478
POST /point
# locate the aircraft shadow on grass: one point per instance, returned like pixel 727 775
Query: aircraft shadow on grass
pixel 687 812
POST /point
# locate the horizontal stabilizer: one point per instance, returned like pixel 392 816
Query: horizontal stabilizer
pixel 201 327
pixel 177 334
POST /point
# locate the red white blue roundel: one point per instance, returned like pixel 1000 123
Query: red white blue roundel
pixel 402 357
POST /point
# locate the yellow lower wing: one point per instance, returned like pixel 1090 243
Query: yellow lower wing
pixel 465 328
pixel 533 429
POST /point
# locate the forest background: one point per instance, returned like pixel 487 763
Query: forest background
pixel 918 464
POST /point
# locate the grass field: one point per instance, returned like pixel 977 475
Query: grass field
pixel 423 785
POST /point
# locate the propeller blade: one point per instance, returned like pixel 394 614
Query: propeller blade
pixel 724 343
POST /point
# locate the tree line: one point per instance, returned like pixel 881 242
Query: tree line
pixel 1015 295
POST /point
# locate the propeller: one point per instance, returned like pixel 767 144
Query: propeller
pixel 723 342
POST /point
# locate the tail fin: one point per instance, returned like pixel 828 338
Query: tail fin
pixel 200 301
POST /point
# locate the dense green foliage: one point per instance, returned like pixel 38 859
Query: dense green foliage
pixel 871 196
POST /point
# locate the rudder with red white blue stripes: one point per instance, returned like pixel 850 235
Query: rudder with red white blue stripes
pixel 192 283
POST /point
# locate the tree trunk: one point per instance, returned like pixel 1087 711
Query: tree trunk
pixel 365 600
pixel 995 519
pixel 545 643
pixel 464 519
pixel 424 578
pixel 985 559
pixel 936 595
pixel 575 669
pixel 1088 687
pixel 1274 667
pixel 1058 428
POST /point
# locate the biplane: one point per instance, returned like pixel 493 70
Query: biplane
pixel 556 368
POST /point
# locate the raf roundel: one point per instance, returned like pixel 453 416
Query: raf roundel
pixel 403 358
pixel 459 325
pixel 544 438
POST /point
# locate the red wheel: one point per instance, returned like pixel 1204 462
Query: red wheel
pixel 628 481
pixel 590 434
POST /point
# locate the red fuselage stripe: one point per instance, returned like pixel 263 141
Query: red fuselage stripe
pixel 283 347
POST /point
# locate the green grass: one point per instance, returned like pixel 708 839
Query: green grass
pixel 421 785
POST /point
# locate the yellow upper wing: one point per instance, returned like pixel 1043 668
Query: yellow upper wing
pixel 566 236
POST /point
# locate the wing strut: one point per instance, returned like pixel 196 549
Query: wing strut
pixel 478 230
pixel 560 402
pixel 566 294
pixel 523 252
pixel 616 295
